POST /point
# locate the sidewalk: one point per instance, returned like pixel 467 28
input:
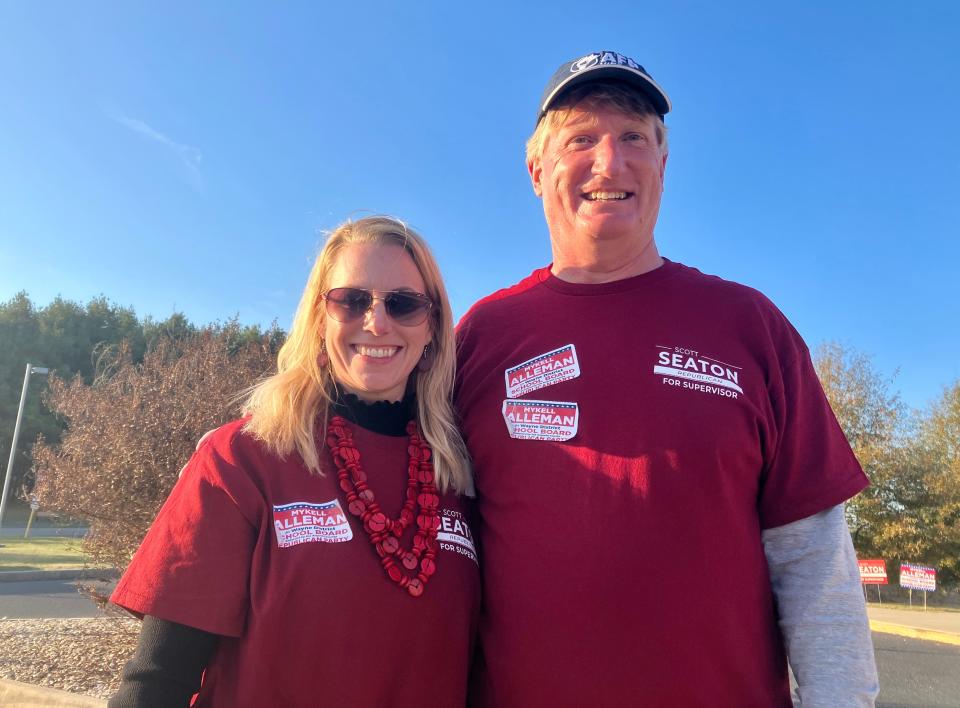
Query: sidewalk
pixel 20 576
pixel 932 625
pixel 44 531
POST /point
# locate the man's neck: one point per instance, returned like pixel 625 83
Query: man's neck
pixel 604 265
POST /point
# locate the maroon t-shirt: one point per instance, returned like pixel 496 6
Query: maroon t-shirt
pixel 260 550
pixel 630 441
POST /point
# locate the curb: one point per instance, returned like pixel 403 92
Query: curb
pixel 13 576
pixel 14 694
pixel 903 630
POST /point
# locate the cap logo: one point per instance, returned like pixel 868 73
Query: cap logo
pixel 584 63
pixel 603 59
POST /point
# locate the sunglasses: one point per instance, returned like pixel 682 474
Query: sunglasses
pixel 403 307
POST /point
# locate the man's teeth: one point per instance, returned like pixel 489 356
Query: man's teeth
pixel 376 352
pixel 604 196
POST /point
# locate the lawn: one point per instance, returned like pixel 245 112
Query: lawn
pixel 917 605
pixel 40 554
pixel 18 513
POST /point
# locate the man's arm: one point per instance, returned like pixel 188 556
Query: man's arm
pixel 816 583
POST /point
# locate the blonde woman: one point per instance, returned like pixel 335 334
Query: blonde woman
pixel 318 551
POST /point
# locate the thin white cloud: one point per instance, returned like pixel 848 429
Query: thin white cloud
pixel 190 157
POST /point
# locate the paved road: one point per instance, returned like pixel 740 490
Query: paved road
pixel 47 598
pixel 916 673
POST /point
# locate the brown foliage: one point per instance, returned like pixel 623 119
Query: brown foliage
pixel 911 511
pixel 940 440
pixel 130 432
pixel 872 419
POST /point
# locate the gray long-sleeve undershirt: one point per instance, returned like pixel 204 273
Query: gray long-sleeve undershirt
pixel 816 583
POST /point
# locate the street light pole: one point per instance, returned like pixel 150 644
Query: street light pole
pixel 16 434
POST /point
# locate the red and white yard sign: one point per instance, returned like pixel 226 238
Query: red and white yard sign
pixel 918 577
pixel 873 572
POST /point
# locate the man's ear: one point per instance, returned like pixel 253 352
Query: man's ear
pixel 535 170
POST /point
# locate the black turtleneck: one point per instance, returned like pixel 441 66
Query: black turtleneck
pixel 384 417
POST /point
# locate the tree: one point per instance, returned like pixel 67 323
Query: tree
pixel 175 327
pixel 911 510
pixel 873 420
pixel 71 339
pixel 940 442
pixel 130 431
pixel 20 329
pixel 63 336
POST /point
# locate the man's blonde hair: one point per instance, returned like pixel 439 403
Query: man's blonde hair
pixel 286 408
pixel 599 94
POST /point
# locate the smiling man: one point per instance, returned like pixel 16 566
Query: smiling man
pixel 660 477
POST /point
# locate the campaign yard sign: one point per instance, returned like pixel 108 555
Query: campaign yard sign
pixel 918 577
pixel 873 572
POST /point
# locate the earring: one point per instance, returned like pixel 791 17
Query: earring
pixel 322 358
pixel 426 359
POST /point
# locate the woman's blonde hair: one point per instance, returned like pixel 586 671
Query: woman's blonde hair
pixel 287 407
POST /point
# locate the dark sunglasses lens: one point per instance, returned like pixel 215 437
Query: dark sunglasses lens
pixel 348 304
pixel 407 308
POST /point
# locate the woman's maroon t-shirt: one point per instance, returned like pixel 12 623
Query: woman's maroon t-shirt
pixel 258 549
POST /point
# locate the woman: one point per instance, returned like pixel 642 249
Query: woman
pixel 318 552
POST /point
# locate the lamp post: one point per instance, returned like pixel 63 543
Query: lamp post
pixel 16 434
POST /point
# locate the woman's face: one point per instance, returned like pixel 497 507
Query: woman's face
pixel 372 356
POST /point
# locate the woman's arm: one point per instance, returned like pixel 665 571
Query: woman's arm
pixel 166 667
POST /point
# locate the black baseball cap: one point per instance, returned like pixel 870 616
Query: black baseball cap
pixel 603 65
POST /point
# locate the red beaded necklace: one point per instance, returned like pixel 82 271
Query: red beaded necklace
pixel 385 533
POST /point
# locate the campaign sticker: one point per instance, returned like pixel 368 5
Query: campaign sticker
pixel 541 420
pixel 542 371
pixel 305 522
pixel 453 534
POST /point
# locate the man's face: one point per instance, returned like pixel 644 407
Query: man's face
pixel 600 176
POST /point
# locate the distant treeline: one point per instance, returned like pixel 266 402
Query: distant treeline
pixel 911 510
pixel 72 340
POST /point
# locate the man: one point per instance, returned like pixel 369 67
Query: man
pixel 660 477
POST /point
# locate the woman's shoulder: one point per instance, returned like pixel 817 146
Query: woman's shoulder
pixel 225 435
pixel 233 444
pixel 232 458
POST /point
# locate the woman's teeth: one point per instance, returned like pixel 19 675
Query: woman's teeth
pixel 376 352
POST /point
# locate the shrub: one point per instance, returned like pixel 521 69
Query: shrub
pixel 129 433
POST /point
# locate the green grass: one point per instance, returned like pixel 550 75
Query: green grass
pixel 917 606
pixel 40 554
pixel 18 513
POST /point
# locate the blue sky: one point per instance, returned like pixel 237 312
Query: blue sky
pixel 188 158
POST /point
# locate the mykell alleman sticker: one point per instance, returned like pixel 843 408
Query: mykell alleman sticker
pixel 541 420
pixel 542 371
pixel 306 522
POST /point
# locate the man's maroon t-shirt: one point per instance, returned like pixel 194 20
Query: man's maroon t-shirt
pixel 259 550
pixel 630 442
